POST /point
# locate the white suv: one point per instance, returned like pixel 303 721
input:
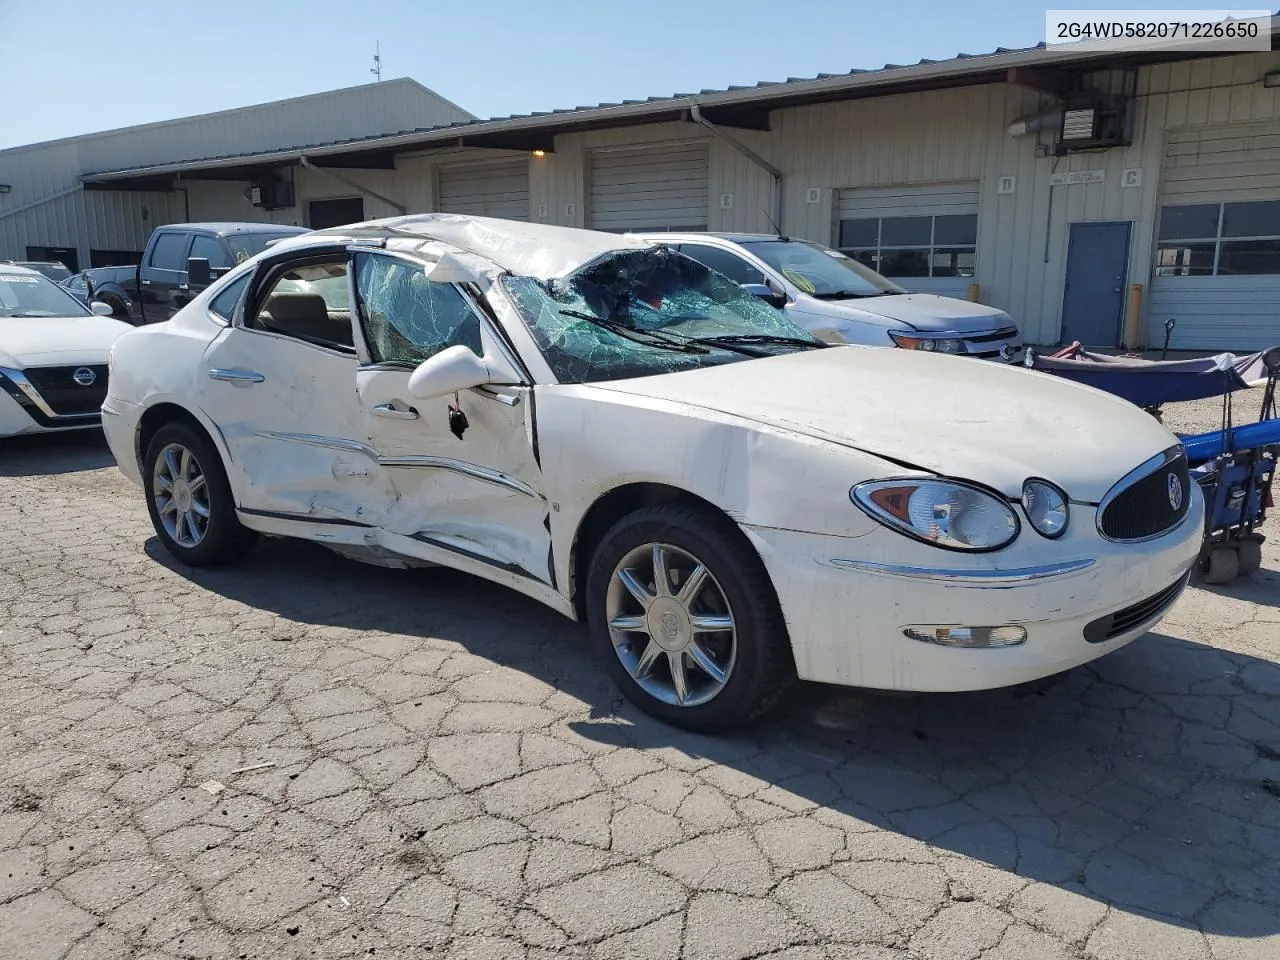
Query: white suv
pixel 843 301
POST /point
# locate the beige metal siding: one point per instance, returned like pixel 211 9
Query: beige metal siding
pixel 46 207
pixel 486 190
pixel 651 188
pixel 1219 163
pixel 1223 162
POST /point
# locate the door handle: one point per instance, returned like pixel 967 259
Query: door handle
pixel 183 286
pixel 236 376
pixel 146 283
pixel 387 410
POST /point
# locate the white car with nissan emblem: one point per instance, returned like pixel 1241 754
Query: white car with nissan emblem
pixel 611 428
pixel 53 355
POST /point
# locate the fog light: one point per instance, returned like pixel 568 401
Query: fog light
pixel 976 637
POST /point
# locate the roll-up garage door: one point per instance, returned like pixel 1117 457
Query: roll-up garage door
pixel 923 236
pixel 1217 259
pixel 486 189
pixel 653 188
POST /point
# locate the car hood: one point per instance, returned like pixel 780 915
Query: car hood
pixel 926 312
pixel 52 341
pixel 988 423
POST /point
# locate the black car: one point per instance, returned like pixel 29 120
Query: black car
pixel 114 286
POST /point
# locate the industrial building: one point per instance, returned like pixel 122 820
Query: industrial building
pixel 1093 195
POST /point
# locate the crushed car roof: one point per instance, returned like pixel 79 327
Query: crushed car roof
pixel 536 250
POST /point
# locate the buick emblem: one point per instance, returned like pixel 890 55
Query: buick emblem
pixel 1175 491
pixel 85 377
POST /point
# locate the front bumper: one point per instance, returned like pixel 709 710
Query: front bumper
pixel 23 410
pixel 846 602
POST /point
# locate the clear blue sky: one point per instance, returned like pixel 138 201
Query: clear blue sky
pixel 75 66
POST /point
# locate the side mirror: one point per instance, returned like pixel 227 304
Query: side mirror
pixel 454 369
pixel 100 309
pixel 766 293
pixel 198 272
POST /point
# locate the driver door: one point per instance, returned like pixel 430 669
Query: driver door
pixel 479 494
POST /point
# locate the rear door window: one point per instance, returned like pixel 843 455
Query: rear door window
pixel 211 249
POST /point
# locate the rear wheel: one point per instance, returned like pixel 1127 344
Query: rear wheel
pixel 1249 554
pixel 687 619
pixel 190 500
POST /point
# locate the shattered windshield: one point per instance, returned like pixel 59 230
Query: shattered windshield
pixel 821 272
pixel 640 312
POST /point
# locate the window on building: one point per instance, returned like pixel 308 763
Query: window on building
pixel 1219 239
pixel 924 246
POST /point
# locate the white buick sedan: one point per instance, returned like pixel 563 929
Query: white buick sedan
pixel 611 428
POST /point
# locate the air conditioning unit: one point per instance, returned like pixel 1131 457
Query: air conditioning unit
pixel 272 194
pixel 1095 122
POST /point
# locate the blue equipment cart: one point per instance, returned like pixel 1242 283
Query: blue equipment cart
pixel 1234 465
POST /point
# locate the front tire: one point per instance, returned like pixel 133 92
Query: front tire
pixel 684 613
pixel 190 500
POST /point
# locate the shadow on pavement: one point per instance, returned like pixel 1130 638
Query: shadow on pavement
pixel 49 454
pixel 1149 780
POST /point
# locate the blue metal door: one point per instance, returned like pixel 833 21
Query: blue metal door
pixel 1093 301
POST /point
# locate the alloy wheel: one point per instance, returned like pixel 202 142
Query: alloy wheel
pixel 181 493
pixel 671 625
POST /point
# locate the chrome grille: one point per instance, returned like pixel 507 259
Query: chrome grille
pixel 58 388
pixel 1150 500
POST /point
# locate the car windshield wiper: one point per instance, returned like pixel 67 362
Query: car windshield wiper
pixel 850 294
pixel 738 341
pixel 646 337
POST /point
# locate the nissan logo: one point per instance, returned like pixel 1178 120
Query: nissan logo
pixel 85 377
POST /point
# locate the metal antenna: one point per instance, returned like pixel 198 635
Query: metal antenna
pixel 376 69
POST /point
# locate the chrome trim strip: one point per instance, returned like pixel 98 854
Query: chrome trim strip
pixel 1140 472
pixel 508 399
pixel 473 470
pixel 971 578
pixel 19 380
pixel 333 443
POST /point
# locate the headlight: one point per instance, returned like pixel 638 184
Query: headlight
pixel 946 513
pixel 1046 508
pixel 912 341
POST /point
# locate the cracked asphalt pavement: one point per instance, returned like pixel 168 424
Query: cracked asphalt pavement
pixel 302 756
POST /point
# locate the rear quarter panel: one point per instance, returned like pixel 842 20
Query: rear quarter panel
pixel 161 363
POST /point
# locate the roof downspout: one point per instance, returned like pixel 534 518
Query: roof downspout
pixel 303 159
pixel 696 115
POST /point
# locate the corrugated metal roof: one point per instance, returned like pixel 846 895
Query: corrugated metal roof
pixel 763 93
